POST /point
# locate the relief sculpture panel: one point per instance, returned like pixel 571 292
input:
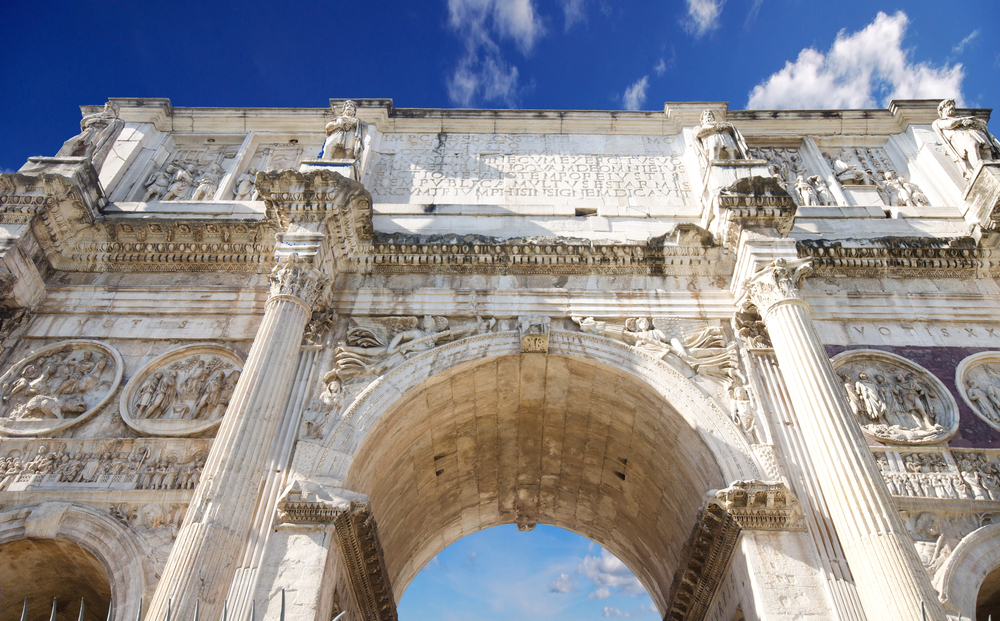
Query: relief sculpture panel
pixel 57 387
pixel 184 392
pixel 895 400
pixel 978 380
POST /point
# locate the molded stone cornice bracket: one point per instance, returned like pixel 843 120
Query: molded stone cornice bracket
pixel 900 257
pixel 305 200
pixel 748 201
pixel 745 505
pixel 982 202
pixel 357 534
pixel 62 200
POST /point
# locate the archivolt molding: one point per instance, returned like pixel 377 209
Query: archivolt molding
pixel 962 575
pixel 727 443
pixel 118 550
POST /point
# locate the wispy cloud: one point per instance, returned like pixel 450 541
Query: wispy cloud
pixel 661 67
pixel 607 572
pixel 635 95
pixel 858 71
pixel 958 49
pixel 575 12
pixel 483 72
pixel 565 583
pixel 703 16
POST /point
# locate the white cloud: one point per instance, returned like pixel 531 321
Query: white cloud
pixel 607 572
pixel 563 584
pixel 703 15
pixel 661 67
pixel 857 68
pixel 575 12
pixel 614 611
pixel 635 95
pixel 482 72
pixel 958 49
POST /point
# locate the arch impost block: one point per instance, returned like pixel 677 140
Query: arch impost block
pixel 744 505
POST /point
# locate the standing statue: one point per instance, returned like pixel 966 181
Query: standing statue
pixel 967 138
pixel 720 141
pixel 345 135
pixel 97 136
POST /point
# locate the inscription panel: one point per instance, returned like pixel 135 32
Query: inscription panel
pixel 496 168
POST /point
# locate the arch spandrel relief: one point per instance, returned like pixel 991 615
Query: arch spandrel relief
pixel 57 387
pixel 182 393
pixel 978 381
pixel 895 400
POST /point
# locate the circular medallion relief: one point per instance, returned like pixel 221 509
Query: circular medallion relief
pixel 978 381
pixel 183 392
pixel 57 387
pixel 896 400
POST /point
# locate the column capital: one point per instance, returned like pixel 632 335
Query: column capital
pixel 776 282
pixel 295 277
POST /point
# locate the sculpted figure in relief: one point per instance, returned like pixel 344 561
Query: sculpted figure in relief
pixel 208 183
pixel 97 136
pixel 182 181
pixel 157 183
pixel 982 401
pixel 60 385
pixel 967 138
pixel 345 135
pixel 720 141
pixel 846 171
pixel 930 542
pixel 896 405
pixel 244 187
pixel 806 193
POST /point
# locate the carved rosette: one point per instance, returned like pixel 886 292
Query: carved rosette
pixel 978 380
pixel 895 400
pixel 296 278
pixel 777 282
pixel 57 387
pixel 181 393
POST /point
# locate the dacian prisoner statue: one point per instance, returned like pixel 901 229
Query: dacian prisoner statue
pixel 720 141
pixel 967 137
pixel 345 135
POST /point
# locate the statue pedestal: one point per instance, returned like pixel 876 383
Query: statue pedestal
pixel 346 167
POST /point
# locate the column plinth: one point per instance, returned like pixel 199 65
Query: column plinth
pixel 891 580
pixel 219 519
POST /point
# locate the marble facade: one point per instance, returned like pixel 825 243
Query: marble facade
pixel 273 361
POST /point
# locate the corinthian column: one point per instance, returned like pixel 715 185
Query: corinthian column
pixel 219 518
pixel 891 581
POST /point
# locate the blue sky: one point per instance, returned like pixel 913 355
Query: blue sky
pixel 553 54
pixel 501 574
pixel 549 54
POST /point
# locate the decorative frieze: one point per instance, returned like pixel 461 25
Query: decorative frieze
pixel 57 387
pixel 81 465
pixel 896 400
pixel 955 474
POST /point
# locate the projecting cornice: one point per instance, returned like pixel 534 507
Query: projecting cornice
pixel 900 257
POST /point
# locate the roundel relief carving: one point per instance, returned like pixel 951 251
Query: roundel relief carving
pixel 58 387
pixel 896 400
pixel 183 392
pixel 978 381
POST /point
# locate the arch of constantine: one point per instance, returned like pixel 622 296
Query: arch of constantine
pixel 272 361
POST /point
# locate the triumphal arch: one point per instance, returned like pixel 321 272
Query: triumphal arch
pixel 266 363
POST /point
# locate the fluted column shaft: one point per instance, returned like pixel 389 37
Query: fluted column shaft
pixel 890 578
pixel 219 519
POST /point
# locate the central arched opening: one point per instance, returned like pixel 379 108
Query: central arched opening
pixel 535 439
pixel 504 574
pixel 43 569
